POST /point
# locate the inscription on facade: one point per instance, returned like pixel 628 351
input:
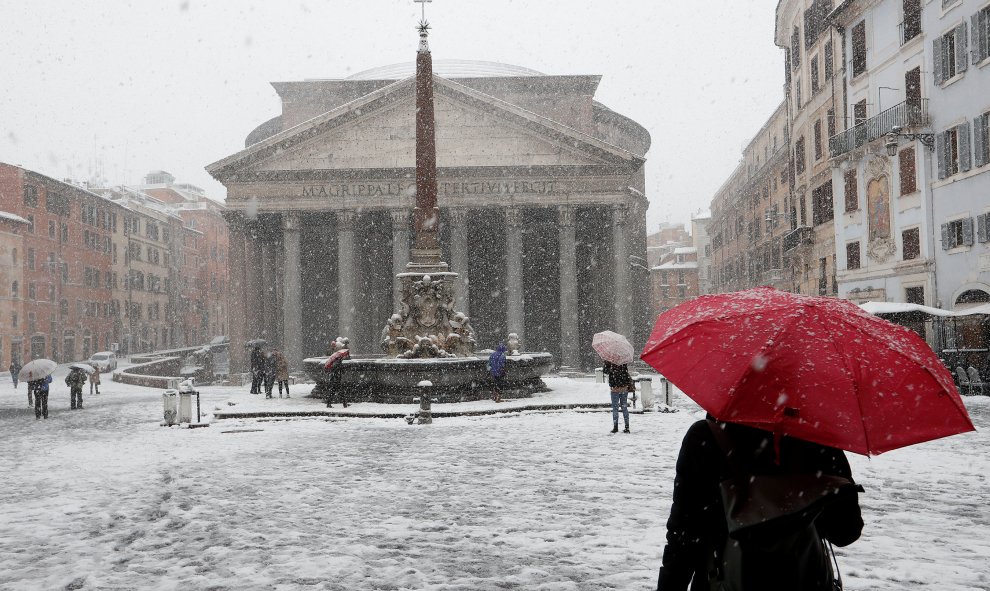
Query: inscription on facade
pixel 398 189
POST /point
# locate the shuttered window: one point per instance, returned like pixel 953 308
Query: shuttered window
pixel 852 190
pixel 952 149
pixel 859 48
pixel 911 244
pixel 818 140
pixel 981 140
pixel 981 35
pixel 949 54
pixel 908 171
pixel 958 233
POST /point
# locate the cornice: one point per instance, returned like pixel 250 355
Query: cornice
pixel 443 173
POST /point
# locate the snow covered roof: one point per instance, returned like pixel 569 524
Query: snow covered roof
pixel 901 308
pixel 673 265
pixel 13 217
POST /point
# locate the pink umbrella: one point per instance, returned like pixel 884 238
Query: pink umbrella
pixel 613 347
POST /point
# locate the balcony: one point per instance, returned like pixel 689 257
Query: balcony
pixel 913 113
pixel 802 236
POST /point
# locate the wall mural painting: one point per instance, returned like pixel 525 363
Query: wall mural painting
pixel 881 246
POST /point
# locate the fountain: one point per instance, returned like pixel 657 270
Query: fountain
pixel 427 340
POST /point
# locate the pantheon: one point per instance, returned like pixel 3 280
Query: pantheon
pixel 542 196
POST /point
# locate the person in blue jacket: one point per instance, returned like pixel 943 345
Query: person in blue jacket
pixel 40 387
pixel 496 366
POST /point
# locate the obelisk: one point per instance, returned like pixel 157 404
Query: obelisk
pixel 427 324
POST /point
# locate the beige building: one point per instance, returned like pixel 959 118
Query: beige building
pixel 11 288
pixel 812 49
pixel 541 190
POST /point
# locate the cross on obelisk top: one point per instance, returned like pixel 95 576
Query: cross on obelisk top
pixel 423 2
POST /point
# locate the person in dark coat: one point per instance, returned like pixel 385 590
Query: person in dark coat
pixel 268 372
pixel 334 369
pixel 75 381
pixel 257 369
pixel 620 383
pixel 496 367
pixel 15 368
pixel 696 528
pixel 40 389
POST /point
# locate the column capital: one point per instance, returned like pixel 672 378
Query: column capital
pixel 458 215
pixel 400 216
pixel 566 215
pixel 513 216
pixel 291 221
pixel 346 217
pixel 619 213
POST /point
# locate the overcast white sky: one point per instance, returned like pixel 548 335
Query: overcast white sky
pixel 177 84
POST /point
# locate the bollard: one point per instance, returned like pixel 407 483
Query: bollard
pixel 599 375
pixel 425 414
pixel 646 392
pixel 667 399
pixel 170 410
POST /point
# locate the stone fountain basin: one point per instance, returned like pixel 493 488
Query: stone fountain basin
pixel 458 379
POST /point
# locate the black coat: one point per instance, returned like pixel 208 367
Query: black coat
pixel 696 526
pixel 618 375
pixel 257 360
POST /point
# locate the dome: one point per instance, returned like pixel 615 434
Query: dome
pixel 446 69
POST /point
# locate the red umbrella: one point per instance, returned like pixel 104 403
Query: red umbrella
pixel 819 369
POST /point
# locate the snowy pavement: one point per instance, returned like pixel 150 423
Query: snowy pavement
pixel 105 498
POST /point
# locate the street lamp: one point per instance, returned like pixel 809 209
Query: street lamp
pixel 927 139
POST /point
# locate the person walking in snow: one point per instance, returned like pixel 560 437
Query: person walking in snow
pixel 257 363
pixel 281 372
pixel 75 381
pixel 94 382
pixel 334 368
pixel 268 372
pixel 40 389
pixel 15 368
pixel 496 367
pixel 620 383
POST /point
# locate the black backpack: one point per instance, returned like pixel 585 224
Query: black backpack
pixel 772 541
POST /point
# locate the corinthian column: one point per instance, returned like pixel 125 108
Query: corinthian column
pixel 237 306
pixel 570 355
pixel 253 308
pixel 400 252
pixel 346 280
pixel 292 291
pixel 515 313
pixel 459 259
pixel 621 290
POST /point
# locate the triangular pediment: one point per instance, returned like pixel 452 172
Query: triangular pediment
pixel 378 131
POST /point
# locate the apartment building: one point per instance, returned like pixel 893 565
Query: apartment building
pixel 12 227
pixel 811 90
pixel 882 163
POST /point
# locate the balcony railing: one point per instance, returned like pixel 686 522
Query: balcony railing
pixel 797 237
pixel 912 113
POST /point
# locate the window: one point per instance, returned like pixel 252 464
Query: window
pixel 151 230
pixel 13 319
pixel 949 54
pixel 799 162
pixel 51 229
pixel 859 112
pixel 57 204
pixel 818 140
pixel 32 291
pixel 912 20
pixel 852 190
pixel 983 227
pixel 795 49
pixel 822 204
pixel 830 119
pixel 952 151
pixel 815 86
pixel 30 259
pixel 828 60
pixel 908 171
pixel 911 244
pixel 914 295
pixel 981 34
pixel 957 233
pixel 30 196
pixel 30 219
pixel 852 255
pixel 65 233
pixel 859 48
pixel 981 139
pixel 15 290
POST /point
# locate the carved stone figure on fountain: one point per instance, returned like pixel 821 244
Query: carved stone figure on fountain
pixel 460 341
pixel 393 342
pixel 513 344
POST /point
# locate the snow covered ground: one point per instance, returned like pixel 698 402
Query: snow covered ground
pixel 105 498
